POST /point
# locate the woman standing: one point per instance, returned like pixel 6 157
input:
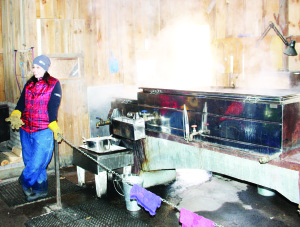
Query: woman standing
pixel 36 116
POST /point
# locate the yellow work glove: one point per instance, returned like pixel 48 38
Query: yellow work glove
pixel 56 131
pixel 15 119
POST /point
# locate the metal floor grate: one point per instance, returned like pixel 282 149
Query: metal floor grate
pixel 11 192
pixel 95 213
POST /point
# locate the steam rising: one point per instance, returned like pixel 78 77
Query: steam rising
pixel 181 59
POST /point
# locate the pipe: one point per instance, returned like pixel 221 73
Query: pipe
pixel 186 129
pixel 101 122
pixel 268 158
pixel 58 192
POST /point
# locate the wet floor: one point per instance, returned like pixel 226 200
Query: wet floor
pixel 225 201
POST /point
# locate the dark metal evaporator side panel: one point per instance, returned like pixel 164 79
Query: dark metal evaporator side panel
pixel 263 123
pixel 243 108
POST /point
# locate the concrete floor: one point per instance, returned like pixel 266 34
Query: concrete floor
pixel 225 201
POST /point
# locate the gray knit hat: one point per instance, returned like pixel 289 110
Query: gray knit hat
pixel 42 61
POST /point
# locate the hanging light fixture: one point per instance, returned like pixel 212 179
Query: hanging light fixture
pixel 290 50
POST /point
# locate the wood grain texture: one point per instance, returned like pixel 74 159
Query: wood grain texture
pixel 132 31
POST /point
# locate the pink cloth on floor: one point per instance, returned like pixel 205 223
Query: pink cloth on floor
pixel 146 199
pixel 190 219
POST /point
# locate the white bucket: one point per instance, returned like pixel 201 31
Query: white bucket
pixel 265 191
pixel 128 182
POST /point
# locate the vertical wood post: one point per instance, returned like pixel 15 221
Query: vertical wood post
pixel 284 25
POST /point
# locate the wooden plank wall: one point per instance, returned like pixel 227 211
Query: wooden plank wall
pixel 294 29
pixel 128 29
pixel 2 88
pixel 240 24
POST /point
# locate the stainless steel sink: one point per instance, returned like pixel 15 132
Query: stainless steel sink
pixel 102 144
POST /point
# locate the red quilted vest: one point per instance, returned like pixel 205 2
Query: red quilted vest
pixel 35 115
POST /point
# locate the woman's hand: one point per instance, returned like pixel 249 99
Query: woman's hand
pixel 15 119
pixel 57 132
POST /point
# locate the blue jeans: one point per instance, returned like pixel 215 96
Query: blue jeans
pixel 37 151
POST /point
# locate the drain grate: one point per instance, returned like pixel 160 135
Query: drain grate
pixel 90 222
pixel 69 215
pixel 95 213
pixel 11 192
pixel 45 220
